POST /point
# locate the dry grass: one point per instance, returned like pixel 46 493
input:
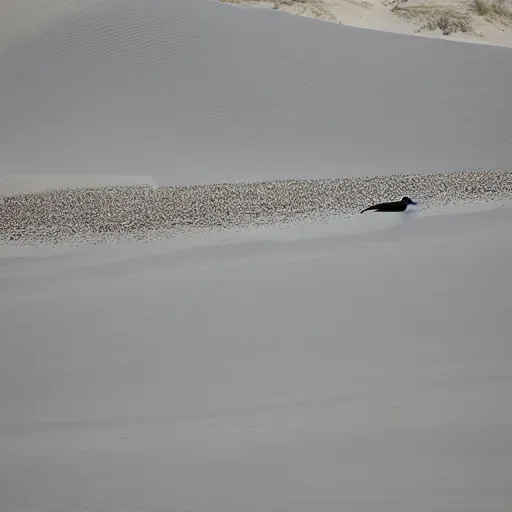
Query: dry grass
pixel 447 18
pixel 309 8
pixel 435 17
pixel 492 10
pixel 277 3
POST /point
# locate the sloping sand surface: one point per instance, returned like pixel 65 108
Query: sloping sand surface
pixel 24 183
pixel 159 88
pixel 271 349
pixel 361 372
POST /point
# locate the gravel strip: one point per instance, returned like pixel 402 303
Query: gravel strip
pixel 140 212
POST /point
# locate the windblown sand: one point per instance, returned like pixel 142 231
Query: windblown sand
pixel 343 364
pixel 125 212
pixel 156 87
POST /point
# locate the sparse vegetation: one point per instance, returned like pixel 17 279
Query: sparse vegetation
pixel 277 3
pixel 312 8
pixel 482 7
pixel 436 17
pixel 493 9
pixel 445 16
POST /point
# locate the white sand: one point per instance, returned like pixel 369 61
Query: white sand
pixel 359 363
pixel 362 372
pixel 453 20
pixel 26 183
pixel 159 88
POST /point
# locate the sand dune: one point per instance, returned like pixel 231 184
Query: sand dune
pixel 472 21
pixel 367 371
pixel 335 361
pixel 159 89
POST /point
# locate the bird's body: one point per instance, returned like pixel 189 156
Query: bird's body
pixel 395 206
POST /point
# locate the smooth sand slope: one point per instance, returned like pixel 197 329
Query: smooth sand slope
pixel 335 361
pixel 193 91
pixel 367 372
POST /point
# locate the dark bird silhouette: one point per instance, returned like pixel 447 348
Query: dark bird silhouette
pixel 396 206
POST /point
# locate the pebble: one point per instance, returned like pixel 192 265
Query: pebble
pixel 122 213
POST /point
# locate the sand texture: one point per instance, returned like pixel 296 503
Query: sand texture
pixel 158 89
pixel 474 21
pixel 121 213
pixel 194 315
pixel 368 372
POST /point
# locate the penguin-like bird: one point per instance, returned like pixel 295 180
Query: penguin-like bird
pixel 396 206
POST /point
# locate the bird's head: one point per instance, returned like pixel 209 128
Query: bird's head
pixel 407 200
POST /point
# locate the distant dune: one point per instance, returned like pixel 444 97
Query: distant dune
pixel 477 21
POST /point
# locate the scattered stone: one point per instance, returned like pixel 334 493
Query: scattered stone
pixel 142 212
